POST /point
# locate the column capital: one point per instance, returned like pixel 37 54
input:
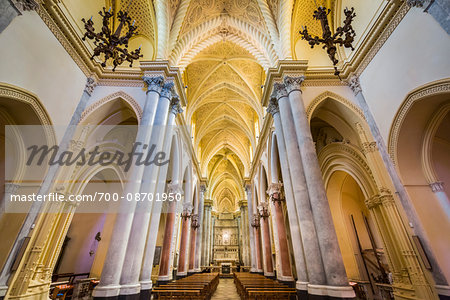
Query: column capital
pixel 194 221
pixel 437 186
pixel 168 90
pixel 273 107
pixel 274 191
pixel 90 85
pixel 174 188
pixel 11 188
pixel 353 83
pixel 202 188
pixel 175 106
pixel 154 83
pixel 208 202
pixel 187 211
pixel 279 91
pixel 25 5
pixel 263 210
pixel 293 83
pixel 369 147
pixel 242 203
pixel 416 3
pixel 373 202
pixel 255 221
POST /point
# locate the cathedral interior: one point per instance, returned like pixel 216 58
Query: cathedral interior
pixel 295 149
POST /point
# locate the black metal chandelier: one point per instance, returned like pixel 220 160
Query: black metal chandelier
pixel 344 36
pixel 112 45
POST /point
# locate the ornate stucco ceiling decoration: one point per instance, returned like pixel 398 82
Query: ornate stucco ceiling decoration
pixel 207 22
pixel 142 11
pixel 303 16
pixel 223 92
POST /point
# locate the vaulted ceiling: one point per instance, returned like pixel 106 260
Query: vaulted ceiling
pixel 223 49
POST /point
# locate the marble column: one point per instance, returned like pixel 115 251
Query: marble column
pixel 198 241
pixel 257 240
pixel 147 263
pixel 170 233
pixel 109 285
pixel 207 233
pixel 245 234
pixel 263 210
pixel 129 280
pixel 251 230
pixel 184 240
pixel 294 225
pixel 284 120
pixel 193 242
pixel 336 277
pixel 284 273
pixel 442 285
pixel 212 241
pixel 49 180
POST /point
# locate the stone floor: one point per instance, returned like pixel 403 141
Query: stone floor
pixel 226 290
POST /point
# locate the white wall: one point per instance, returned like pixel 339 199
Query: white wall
pixel 33 59
pixel 416 53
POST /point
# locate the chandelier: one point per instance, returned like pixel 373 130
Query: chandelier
pixel 344 36
pixel 112 45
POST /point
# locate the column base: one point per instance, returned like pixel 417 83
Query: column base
pixel 130 297
pixel 145 294
pixel 106 292
pixel 302 290
pixel 164 278
pixel 322 292
pixel 181 275
pixel 443 291
pixel 146 285
pixel 3 290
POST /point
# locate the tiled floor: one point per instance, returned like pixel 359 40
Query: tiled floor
pixel 226 290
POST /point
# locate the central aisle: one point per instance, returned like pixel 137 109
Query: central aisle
pixel 226 290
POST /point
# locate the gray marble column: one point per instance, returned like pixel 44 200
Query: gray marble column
pixel 245 250
pixel 407 205
pixel 206 259
pixel 109 285
pixel 46 185
pixel 200 230
pixel 252 240
pixel 336 276
pixel 147 263
pixel 129 280
pixel 311 247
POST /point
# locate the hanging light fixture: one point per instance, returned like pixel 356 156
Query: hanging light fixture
pixel 344 35
pixel 113 45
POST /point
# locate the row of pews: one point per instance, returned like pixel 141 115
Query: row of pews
pixel 197 286
pixel 256 286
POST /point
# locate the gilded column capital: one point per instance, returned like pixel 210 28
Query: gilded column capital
pixel 243 203
pixel 353 83
pixel 208 203
pixel 90 85
pixel 373 202
pixel 255 221
pixel 154 83
pixel 386 196
pixel 437 186
pixel 369 147
pixel 293 83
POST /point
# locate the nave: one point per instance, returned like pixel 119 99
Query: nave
pixel 209 137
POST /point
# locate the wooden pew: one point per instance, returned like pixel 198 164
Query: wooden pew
pixel 197 286
pixel 256 286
